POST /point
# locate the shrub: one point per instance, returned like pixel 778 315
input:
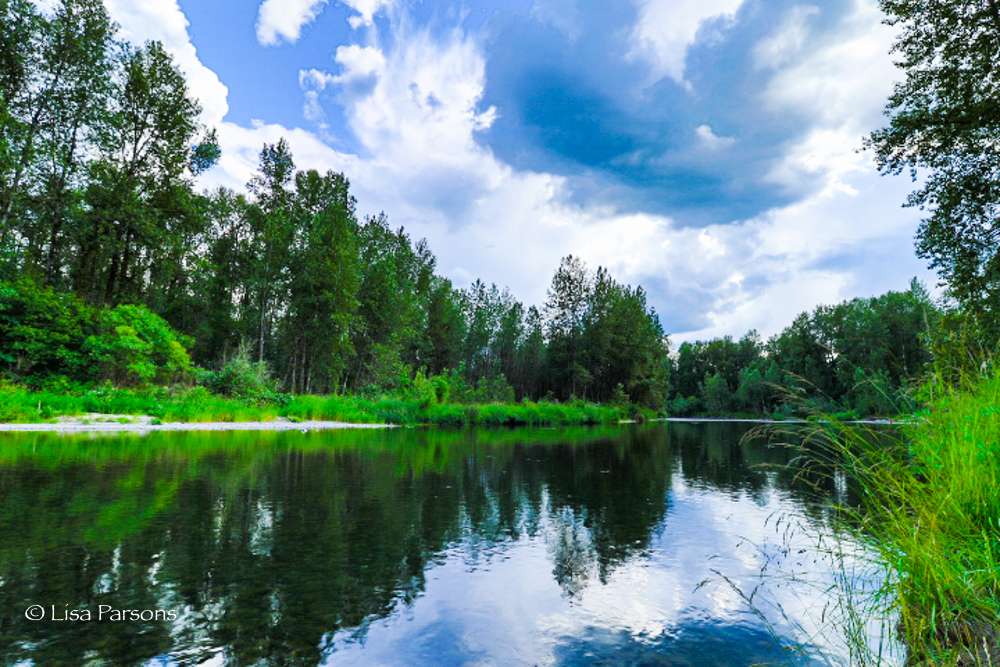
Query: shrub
pixel 134 346
pixel 619 396
pixel 493 389
pixel 683 407
pixel 242 378
pixel 423 391
pixel 42 332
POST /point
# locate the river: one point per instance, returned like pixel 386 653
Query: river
pixel 658 544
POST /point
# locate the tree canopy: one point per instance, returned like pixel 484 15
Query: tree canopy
pixel 944 129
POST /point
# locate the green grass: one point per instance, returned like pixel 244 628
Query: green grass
pixel 930 510
pixel 184 404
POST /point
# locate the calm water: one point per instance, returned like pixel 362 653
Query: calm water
pixel 631 545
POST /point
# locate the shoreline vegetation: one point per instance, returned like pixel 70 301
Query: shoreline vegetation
pixel 928 507
pixel 159 406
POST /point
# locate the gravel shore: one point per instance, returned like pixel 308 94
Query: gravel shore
pixel 143 423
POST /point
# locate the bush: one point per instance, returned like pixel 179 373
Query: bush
pixel 134 346
pixel 42 333
pixel 423 391
pixel 619 396
pixel 683 407
pixel 242 378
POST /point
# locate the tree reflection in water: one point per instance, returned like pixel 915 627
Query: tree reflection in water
pixel 269 544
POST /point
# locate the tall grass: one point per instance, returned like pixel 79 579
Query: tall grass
pixel 929 508
pixel 21 405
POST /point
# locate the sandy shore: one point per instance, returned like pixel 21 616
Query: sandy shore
pixel 143 423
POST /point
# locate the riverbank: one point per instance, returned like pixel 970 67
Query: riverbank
pixel 931 510
pixel 156 406
pixel 143 423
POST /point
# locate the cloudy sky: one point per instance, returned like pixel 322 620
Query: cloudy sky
pixel 705 149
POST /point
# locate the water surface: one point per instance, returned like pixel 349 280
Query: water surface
pixel 633 545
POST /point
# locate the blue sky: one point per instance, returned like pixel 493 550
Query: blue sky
pixel 705 149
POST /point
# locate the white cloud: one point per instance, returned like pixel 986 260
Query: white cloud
pixel 710 140
pixel 666 28
pixel 241 148
pixel 786 44
pixel 143 20
pixel 358 61
pixel 416 117
pixel 367 10
pixel 414 109
pixel 846 80
pixel 818 249
pixel 279 20
pixel 562 14
pixel 163 20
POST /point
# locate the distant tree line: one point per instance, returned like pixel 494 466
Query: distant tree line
pixel 862 356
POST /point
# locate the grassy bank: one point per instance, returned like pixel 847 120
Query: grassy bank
pixel 931 510
pixel 21 405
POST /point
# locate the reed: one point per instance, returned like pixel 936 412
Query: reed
pixel 929 509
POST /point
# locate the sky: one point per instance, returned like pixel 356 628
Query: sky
pixel 707 150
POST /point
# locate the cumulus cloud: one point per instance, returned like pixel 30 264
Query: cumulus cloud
pixel 163 20
pixel 415 108
pixel 282 20
pixel 788 42
pixel 709 138
pixel 666 28
pixel 845 235
pixel 789 106
pixel 845 80
pixel 366 9
pixel 241 147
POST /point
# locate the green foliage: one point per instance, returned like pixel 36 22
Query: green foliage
pixel 134 346
pixel 716 395
pixel 859 355
pixel 240 377
pixel 99 147
pixel 198 404
pixel 684 407
pixel 930 506
pixel 944 120
pixel 619 396
pixel 958 347
pixel 493 389
pixel 42 333
pixel 441 388
pixel 45 335
pixel 385 370
pixel 424 391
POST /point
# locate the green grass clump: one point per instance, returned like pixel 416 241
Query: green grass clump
pixel 931 510
pixel 19 404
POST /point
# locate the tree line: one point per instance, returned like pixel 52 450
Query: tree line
pixel 114 268
pixel 99 149
pixel 862 356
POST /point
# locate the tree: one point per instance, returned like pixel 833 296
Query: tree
pixel 944 120
pixel 323 285
pixel 392 300
pixel 272 229
pixel 445 330
pixel 565 311
pixel 55 84
pixel 141 211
